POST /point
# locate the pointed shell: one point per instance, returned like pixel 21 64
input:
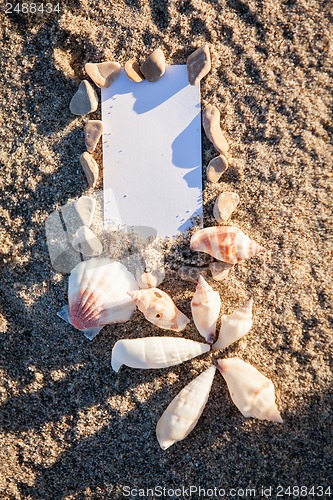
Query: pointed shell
pixel 228 244
pixel 234 326
pixel 155 352
pixel 159 309
pixel 97 294
pixel 184 411
pixel 205 306
pixel 252 392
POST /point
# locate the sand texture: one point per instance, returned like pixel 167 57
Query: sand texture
pixel 70 427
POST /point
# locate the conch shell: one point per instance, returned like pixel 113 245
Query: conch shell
pixel 97 295
pixel 155 352
pixel 159 309
pixel 252 392
pixel 225 243
pixel 234 326
pixel 184 411
pixel 205 307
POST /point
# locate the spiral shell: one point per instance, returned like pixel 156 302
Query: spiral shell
pixel 252 392
pixel 97 295
pixel 234 326
pixel 155 352
pixel 228 244
pixel 205 307
pixel 159 309
pixel 184 411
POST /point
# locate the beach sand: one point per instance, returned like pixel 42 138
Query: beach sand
pixel 70 427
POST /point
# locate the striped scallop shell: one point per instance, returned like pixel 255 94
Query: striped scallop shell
pixel 184 411
pixel 155 352
pixel 225 243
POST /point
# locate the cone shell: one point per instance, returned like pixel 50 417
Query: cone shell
pixel 184 411
pixel 252 392
pixel 205 307
pixel 234 326
pixel 228 244
pixel 97 294
pixel 159 309
pixel 155 352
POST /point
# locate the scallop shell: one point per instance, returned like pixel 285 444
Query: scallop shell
pixel 97 295
pixel 252 392
pixel 155 352
pixel 184 411
pixel 234 326
pixel 205 307
pixel 228 244
pixel 159 309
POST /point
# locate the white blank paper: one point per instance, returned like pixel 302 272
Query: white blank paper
pixel 152 153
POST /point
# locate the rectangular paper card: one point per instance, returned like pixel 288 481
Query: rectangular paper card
pixel 152 153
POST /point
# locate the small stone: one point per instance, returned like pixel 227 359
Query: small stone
pixel 85 100
pixel 220 270
pixel 92 132
pixel 211 125
pixel 154 66
pixel 103 74
pixel 90 168
pixel 198 64
pixel 78 213
pixel 132 70
pixel 216 167
pixel 225 204
pixel 86 242
pixel 192 273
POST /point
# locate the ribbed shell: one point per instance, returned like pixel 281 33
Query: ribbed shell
pixel 234 326
pixel 205 306
pixel 184 411
pixel 252 392
pixel 228 244
pixel 155 352
pixel 97 293
pixel 159 309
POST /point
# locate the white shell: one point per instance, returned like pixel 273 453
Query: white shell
pixel 205 307
pixel 159 309
pixel 252 392
pixel 184 411
pixel 97 295
pixel 155 352
pixel 225 243
pixel 234 326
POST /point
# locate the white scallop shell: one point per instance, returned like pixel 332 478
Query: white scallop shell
pixel 159 309
pixel 252 392
pixel 205 306
pixel 155 352
pixel 225 243
pixel 184 411
pixel 234 326
pixel 97 295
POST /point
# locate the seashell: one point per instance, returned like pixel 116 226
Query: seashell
pixel 228 244
pixel 205 306
pixel 184 411
pixel 219 270
pixel 97 295
pixel 155 352
pixel 159 309
pixel 234 326
pixel 252 392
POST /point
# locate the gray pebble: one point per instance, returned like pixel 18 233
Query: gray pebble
pixel 86 242
pixel 132 70
pixel 220 270
pixel 103 74
pixel 85 100
pixel 211 125
pixel 90 168
pixel 225 204
pixel 216 167
pixel 92 132
pixel 198 64
pixel 154 66
pixel 191 273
